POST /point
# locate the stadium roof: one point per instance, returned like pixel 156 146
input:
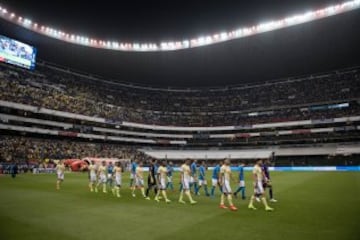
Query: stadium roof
pixel 317 46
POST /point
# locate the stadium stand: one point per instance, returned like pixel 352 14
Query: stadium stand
pixel 110 119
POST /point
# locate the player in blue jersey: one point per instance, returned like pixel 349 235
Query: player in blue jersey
pixel 170 170
pixel 267 182
pixel 215 178
pixel 133 173
pixel 110 173
pixel 193 178
pixel 202 178
pixel 241 187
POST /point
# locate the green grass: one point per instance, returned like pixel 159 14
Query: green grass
pixel 312 205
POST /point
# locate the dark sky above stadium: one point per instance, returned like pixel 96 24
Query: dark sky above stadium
pixel 313 47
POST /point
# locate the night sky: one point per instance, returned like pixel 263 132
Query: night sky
pixel 319 46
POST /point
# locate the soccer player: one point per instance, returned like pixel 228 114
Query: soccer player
pixel 267 182
pixel 225 178
pixel 185 175
pixel 258 186
pixel 241 187
pixel 161 177
pixel 193 179
pixel 170 170
pixel 60 169
pixel 215 178
pixel 152 179
pixel 101 175
pixel 92 177
pixel 139 178
pixel 117 171
pixel 110 169
pixel 133 173
pixel 202 178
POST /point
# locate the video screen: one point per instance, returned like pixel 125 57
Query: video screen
pixel 17 53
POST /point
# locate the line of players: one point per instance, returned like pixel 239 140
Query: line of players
pixel 192 179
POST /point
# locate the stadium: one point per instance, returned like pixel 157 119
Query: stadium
pixel 180 121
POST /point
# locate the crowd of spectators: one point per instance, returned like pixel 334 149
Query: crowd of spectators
pixel 25 149
pixel 64 91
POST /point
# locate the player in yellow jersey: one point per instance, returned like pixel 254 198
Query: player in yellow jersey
pixel 117 170
pixel 185 175
pixel 139 179
pixel 258 186
pixel 60 169
pixel 101 174
pixel 224 180
pixel 161 178
pixel 92 177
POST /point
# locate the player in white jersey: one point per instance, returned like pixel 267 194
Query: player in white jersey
pixel 92 177
pixel 101 174
pixel 60 169
pixel 224 180
pixel 185 175
pixel 117 170
pixel 139 179
pixel 161 178
pixel 258 175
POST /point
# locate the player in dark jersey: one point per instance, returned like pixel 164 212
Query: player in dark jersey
pixel 267 182
pixel 152 178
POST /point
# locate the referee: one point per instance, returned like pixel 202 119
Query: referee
pixel 152 178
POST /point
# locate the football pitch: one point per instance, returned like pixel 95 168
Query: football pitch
pixel 311 205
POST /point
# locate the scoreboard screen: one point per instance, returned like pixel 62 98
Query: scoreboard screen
pixel 17 53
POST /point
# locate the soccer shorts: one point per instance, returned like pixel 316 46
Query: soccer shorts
pixel 226 187
pixel 92 177
pixel 242 183
pixel 192 179
pixel 60 176
pixel 118 180
pixel 169 178
pixel 202 182
pixel 162 184
pixel 266 185
pixel 132 175
pixel 259 187
pixel 139 182
pixel 214 182
pixel 185 184
pixel 102 178
pixel 109 176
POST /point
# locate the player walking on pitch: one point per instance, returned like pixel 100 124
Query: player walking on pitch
pixel 215 178
pixel 161 177
pixel 139 180
pixel 110 170
pixel 117 171
pixel 60 170
pixel 225 178
pixel 92 177
pixel 267 182
pixel 241 187
pixel 152 179
pixel 202 179
pixel 101 174
pixel 170 170
pixel 185 175
pixel 133 173
pixel 258 187
pixel 193 178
